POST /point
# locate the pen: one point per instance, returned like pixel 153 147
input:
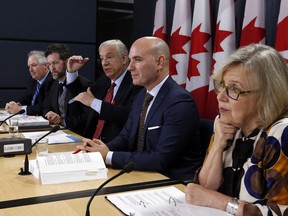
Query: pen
pixel 77 151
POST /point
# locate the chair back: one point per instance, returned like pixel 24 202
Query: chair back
pixel 206 131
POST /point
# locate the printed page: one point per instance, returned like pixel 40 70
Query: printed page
pixel 168 201
pixel 129 202
pixel 66 161
pixel 67 167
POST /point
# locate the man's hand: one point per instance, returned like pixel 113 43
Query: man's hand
pixel 12 107
pixel 94 145
pixel 53 118
pixel 74 63
pixel 85 98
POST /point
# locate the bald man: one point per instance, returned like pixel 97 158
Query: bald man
pixel 169 141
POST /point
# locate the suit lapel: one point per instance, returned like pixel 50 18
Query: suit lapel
pixel 158 100
pixel 123 87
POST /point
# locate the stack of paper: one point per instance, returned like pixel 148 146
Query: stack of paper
pixel 168 201
pixel 67 167
pixel 28 121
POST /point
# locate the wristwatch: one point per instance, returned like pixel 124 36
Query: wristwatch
pixel 232 206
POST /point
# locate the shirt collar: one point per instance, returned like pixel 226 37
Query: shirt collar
pixel 156 89
pixel 119 80
pixel 43 79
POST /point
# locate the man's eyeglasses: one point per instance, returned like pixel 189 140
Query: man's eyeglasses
pixel 108 58
pixel 231 91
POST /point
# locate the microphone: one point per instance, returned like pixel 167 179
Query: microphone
pixel 25 171
pixel 127 168
pixel 18 113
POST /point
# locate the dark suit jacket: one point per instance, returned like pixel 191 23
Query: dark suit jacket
pixel 26 98
pixel 172 139
pixel 75 118
pixel 115 115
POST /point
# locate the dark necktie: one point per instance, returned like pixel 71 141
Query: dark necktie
pixel 36 93
pixel 60 88
pixel 108 99
pixel 140 139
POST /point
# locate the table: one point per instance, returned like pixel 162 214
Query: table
pixel 26 192
pixel 71 207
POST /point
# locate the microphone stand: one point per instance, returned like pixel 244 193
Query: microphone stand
pixel 25 171
pixel 20 112
pixel 127 168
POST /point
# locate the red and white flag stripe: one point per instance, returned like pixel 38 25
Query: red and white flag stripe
pixel 180 41
pixel 253 28
pixel 160 25
pixel 281 42
pixel 199 68
pixel 224 45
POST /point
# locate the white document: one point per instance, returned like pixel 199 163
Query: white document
pixel 167 201
pixel 67 167
pixel 27 120
pixel 57 137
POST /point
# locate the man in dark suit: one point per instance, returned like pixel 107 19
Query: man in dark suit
pixel 38 87
pixel 106 118
pixel 57 110
pixel 169 140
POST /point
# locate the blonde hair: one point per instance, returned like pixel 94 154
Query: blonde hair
pixel 269 72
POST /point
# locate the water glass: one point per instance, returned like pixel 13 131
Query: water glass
pixel 13 127
pixel 42 147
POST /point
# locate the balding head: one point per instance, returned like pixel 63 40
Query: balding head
pixel 155 46
pixel 149 64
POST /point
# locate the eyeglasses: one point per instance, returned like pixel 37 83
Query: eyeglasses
pixel 108 58
pixel 231 91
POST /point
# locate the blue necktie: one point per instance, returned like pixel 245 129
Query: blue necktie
pixel 36 93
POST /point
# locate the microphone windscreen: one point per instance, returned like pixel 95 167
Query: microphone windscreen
pixel 21 111
pixel 129 167
pixel 55 128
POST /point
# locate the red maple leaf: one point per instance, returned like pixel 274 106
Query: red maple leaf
pixel 198 40
pixel 220 36
pixel 251 34
pixel 281 43
pixel 192 68
pixel 213 64
pixel 160 33
pixel 177 42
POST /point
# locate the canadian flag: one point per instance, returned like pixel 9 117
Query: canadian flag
pixel 160 25
pixel 224 45
pixel 180 41
pixel 253 29
pixel 199 67
pixel 281 42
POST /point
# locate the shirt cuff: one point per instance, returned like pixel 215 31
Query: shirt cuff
pixel 108 159
pixel 71 77
pixel 24 108
pixel 96 105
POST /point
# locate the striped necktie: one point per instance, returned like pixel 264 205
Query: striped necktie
pixel 36 93
pixel 108 99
